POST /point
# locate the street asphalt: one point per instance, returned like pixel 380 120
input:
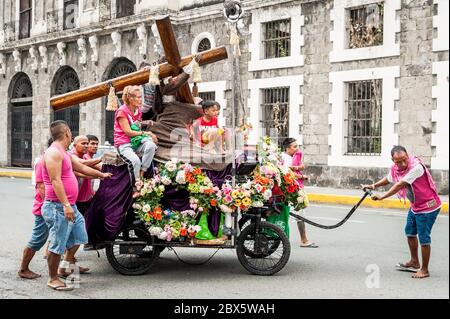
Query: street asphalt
pixel 354 261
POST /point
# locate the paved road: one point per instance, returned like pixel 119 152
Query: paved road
pixel 354 261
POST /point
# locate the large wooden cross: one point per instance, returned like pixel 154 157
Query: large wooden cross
pixel 173 67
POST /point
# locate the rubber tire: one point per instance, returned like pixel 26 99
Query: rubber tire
pixel 135 271
pixel 242 251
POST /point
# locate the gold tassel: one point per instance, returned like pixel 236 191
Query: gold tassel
pixel 153 79
pixel 197 72
pixel 113 103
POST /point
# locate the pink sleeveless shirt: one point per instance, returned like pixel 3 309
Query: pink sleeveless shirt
pixel 120 137
pixel 297 161
pixel 423 196
pixel 68 179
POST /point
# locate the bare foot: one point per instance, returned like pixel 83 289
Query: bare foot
pixel 28 274
pixel 412 264
pixel 421 274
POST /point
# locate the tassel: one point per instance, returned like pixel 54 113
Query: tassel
pixel 235 40
pixel 153 79
pixel 113 103
pixel 197 72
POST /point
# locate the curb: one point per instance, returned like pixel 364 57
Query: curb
pixel 313 198
pixel 352 200
pixel 16 174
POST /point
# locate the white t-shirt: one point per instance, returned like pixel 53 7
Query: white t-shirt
pixel 287 160
pixel 416 172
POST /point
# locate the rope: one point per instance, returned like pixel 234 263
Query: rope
pixel 193 264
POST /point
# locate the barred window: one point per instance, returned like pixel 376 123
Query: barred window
pixel 125 8
pixel 24 19
pixel 364 110
pixel 70 14
pixel 365 25
pixel 205 96
pixel 275 112
pixel 204 45
pixel 277 39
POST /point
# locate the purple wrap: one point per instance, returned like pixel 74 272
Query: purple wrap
pixel 107 213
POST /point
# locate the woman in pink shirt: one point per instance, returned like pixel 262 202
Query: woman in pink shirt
pixel 126 115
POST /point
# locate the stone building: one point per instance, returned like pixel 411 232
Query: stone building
pixel 348 78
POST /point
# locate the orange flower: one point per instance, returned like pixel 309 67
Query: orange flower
pixel 288 179
pixel 209 191
pixel 197 171
pixel 183 232
pixel 213 202
pixel 157 213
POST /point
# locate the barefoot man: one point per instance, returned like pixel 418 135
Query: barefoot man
pixel 412 180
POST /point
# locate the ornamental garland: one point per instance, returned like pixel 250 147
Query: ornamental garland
pixel 268 179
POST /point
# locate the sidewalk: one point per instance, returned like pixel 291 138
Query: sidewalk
pixel 319 195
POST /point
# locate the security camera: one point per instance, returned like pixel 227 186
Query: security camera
pixel 233 10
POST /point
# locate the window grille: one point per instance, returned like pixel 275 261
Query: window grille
pixel 277 39
pixel 70 14
pixel 125 8
pixel 204 45
pixel 205 96
pixel 366 25
pixel 24 19
pixel 364 110
pixel 275 113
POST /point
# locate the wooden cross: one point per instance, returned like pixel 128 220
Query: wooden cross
pixel 173 67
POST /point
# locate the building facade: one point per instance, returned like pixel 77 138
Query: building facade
pixel 348 78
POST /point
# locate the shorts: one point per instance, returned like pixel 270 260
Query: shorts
pixel 39 234
pixel 62 233
pixel 421 225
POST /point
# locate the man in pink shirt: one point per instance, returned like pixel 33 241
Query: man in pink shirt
pixel 412 180
pixel 39 234
pixel 67 230
pixel 86 191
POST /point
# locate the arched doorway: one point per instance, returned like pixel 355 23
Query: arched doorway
pixel 66 80
pixel 21 102
pixel 118 67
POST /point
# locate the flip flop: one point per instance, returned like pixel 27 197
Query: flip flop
pixel 60 287
pixel 403 267
pixel 415 276
pixel 310 245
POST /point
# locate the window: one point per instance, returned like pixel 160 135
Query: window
pixel 208 96
pixel 125 8
pixel 365 26
pixel 364 117
pixel 24 19
pixel 204 45
pixel 70 14
pixel 275 112
pixel 277 39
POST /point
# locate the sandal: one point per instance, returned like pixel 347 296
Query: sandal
pixel 403 267
pixel 62 287
pixel 309 245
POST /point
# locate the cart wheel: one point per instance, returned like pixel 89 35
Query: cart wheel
pixel 130 253
pixel 265 253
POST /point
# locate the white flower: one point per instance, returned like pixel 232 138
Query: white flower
pixel 267 194
pixel 161 188
pixel 180 179
pixel 171 166
pixel 155 231
pixel 143 192
pixel 247 185
pixel 257 204
pixel 165 180
pixel 300 199
pixel 163 235
pixel 174 160
pixel 146 208
pixel 137 206
pixel 226 209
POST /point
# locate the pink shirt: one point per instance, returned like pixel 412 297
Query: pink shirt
pixel 86 191
pixel 68 179
pixel 38 200
pixel 120 137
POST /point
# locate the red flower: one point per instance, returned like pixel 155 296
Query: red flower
pixel 213 202
pixel 183 232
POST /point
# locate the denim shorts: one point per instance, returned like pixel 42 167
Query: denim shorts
pixel 421 224
pixel 39 234
pixel 63 234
